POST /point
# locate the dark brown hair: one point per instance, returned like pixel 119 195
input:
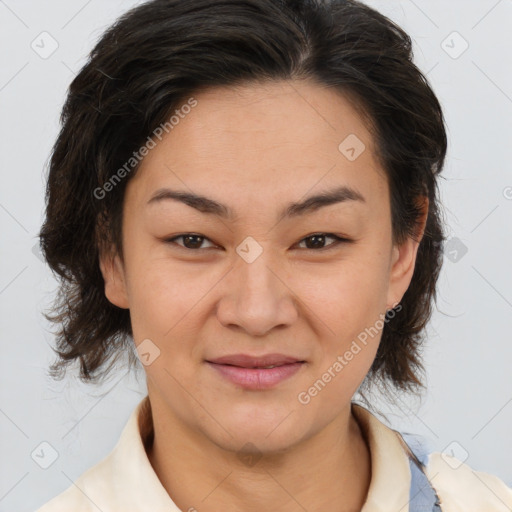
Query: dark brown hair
pixel 162 52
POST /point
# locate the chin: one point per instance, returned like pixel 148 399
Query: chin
pixel 260 430
pixel 256 442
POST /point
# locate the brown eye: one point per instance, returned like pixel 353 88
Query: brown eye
pixel 190 241
pixel 317 241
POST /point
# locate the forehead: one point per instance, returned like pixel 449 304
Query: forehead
pixel 259 141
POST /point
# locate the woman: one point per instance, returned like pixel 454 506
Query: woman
pixel 246 192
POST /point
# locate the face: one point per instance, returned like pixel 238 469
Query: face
pixel 252 274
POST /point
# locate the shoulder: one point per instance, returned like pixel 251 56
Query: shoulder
pixel 461 488
pixel 70 499
pixel 88 493
pixel 123 480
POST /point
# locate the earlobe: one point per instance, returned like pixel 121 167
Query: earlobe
pixel 113 275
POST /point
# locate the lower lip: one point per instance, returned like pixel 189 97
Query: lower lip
pixel 257 378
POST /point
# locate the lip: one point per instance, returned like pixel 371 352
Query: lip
pixel 240 369
pixel 247 361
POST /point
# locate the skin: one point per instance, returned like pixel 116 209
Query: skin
pixel 256 149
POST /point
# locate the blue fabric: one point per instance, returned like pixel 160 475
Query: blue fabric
pixel 422 496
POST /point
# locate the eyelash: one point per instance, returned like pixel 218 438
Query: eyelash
pixel 338 241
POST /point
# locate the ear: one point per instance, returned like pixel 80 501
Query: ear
pixel 404 259
pixel 112 270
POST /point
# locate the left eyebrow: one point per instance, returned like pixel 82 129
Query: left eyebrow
pixel 209 206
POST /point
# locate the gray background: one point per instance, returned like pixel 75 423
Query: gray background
pixel 467 410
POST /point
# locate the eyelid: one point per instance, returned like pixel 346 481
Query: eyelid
pixel 337 241
pixel 183 235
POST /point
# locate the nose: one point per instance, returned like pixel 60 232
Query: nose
pixel 255 297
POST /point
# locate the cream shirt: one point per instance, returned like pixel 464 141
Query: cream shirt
pixel 124 481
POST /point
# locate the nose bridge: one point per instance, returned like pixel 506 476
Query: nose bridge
pixel 257 299
pixel 255 273
pixel 255 268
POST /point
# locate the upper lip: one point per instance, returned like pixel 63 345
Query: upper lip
pixel 246 361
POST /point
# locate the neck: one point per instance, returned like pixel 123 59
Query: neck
pixel 332 467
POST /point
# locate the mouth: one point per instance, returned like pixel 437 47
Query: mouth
pixel 256 373
pixel 265 361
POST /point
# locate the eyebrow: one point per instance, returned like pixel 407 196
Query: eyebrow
pixel 209 206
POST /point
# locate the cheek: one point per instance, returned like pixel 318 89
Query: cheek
pixel 352 313
pixel 348 303
pixel 169 300
pixel 159 295
pixel 345 295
